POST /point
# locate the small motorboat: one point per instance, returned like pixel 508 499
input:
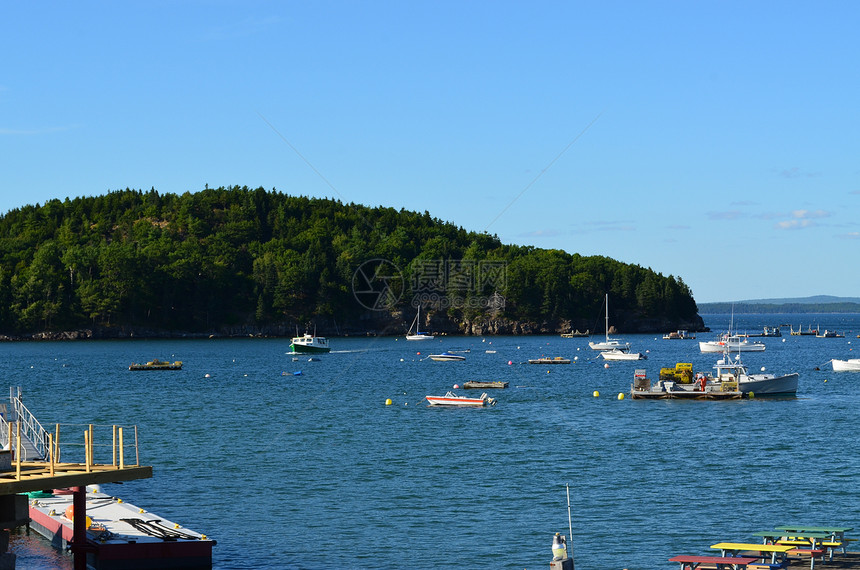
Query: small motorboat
pixel 447 357
pixel 850 365
pixel 547 360
pixel 622 355
pixel 830 334
pixel 678 335
pixel 451 399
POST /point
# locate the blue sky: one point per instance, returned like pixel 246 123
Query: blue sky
pixel 714 141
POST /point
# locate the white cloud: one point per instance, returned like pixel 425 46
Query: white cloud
pixel 807 215
pixel 794 224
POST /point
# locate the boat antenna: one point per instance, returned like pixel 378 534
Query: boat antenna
pixel 569 523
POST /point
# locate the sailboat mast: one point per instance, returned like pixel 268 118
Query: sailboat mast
pixel 606 301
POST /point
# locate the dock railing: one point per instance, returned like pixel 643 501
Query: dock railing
pixel 86 444
pixel 33 435
pixel 94 444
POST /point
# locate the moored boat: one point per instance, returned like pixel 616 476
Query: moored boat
pixel 761 384
pixel 729 381
pixel 732 343
pixel 609 343
pixel 416 324
pixel 617 354
pixel 850 365
pixel 310 343
pixel 830 334
pixel 451 399
pixel 679 335
pixel 157 365
pixel 447 357
pixel 768 331
pixel 574 334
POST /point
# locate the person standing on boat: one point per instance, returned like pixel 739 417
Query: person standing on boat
pixel 702 381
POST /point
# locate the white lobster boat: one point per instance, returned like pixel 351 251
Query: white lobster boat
pixel 731 343
pixel 761 384
pixel 310 343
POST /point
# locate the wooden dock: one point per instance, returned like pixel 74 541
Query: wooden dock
pixel 849 561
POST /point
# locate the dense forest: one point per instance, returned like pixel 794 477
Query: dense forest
pixel 236 259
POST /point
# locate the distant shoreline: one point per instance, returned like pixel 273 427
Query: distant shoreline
pixel 784 309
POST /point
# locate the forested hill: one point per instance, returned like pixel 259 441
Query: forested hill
pixel 236 260
pixel 775 308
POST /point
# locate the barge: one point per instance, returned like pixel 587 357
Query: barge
pixel 119 535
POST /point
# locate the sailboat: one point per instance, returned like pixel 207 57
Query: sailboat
pixel 609 343
pixel 611 348
pixel 416 325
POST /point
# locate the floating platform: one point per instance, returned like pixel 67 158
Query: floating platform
pixel 484 385
pixel 666 390
pixel 544 360
pixel 121 536
pixel 157 365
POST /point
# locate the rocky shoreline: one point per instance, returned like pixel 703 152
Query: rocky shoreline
pixel 371 325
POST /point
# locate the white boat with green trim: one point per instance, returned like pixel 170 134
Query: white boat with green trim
pixel 310 343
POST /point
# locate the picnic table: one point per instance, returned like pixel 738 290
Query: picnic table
pixel 735 548
pixel 792 538
pixel 837 534
pixel 721 562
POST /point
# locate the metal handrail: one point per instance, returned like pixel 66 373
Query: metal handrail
pixel 30 426
pixel 35 437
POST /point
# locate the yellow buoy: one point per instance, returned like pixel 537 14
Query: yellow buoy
pixel 388 402
pixel 620 395
pixel 751 394
pixel 596 394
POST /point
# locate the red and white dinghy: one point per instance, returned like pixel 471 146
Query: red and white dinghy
pixel 451 399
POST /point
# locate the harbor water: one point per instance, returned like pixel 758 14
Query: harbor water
pixel 315 470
